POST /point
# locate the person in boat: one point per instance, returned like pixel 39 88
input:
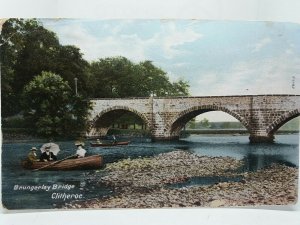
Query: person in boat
pixel 80 152
pixel 114 139
pixel 32 157
pixel 47 155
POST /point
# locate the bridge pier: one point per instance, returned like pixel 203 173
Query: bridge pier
pixel 160 138
pixel 261 139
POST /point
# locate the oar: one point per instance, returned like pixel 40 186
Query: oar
pixel 54 162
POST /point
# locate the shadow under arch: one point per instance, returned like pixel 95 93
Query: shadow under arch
pixel 106 117
pixel 186 115
pixel 281 120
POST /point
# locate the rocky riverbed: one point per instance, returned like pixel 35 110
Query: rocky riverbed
pixel 145 183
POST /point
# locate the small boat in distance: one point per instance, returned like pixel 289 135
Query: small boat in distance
pixel 85 163
pixel 95 144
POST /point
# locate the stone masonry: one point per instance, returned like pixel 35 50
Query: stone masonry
pixel 261 115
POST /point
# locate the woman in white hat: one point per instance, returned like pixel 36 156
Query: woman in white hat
pixel 80 152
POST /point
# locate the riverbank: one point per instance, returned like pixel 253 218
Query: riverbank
pixel 23 135
pixel 147 183
pixel 19 135
pixel 234 132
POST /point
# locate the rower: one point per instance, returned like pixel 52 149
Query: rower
pixel 114 139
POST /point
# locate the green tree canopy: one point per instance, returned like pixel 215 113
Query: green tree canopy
pixel 11 44
pixel 110 76
pixel 119 77
pixel 27 49
pixel 52 108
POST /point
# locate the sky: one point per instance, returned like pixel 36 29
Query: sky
pixel 216 57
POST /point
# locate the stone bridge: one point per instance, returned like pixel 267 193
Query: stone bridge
pixel 261 115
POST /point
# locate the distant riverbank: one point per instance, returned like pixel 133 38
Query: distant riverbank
pixel 230 131
pixel 23 134
pixel 18 135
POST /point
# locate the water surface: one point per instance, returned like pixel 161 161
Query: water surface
pixel 256 156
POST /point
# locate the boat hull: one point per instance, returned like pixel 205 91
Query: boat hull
pixel 109 144
pixel 89 162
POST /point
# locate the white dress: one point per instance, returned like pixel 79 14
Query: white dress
pixel 80 151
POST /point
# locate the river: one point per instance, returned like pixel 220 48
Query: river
pixel 285 150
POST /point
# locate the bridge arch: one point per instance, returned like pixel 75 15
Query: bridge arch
pixel 281 120
pixel 100 124
pixel 261 115
pixel 186 115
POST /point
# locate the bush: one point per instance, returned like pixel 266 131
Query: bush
pixel 15 122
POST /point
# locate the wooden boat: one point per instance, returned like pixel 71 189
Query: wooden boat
pixel 89 162
pixel 94 144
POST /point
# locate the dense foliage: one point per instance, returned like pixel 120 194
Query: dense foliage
pixel 119 77
pixel 27 49
pixel 49 104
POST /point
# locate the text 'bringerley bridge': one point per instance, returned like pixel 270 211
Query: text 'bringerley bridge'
pixel 261 115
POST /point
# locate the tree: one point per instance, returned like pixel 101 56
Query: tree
pixel 153 80
pixel 27 49
pixel 191 124
pixel 119 77
pixel 11 44
pixel 70 65
pixel 180 88
pixel 32 49
pixel 52 108
pixel 205 123
pixel 111 77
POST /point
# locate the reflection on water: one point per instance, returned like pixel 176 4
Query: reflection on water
pixel 257 156
pixel 284 150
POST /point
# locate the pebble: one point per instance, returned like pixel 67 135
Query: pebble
pixel 217 203
pixel 167 168
pixel 141 183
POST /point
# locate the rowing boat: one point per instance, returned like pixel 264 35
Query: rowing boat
pixel 94 144
pixel 89 162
